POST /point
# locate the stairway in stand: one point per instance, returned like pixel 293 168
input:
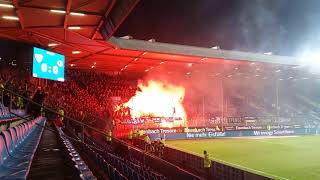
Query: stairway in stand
pixel 49 161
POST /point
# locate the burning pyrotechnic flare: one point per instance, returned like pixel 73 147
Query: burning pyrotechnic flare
pixel 158 99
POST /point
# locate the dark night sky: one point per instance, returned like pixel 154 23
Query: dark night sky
pixel 280 26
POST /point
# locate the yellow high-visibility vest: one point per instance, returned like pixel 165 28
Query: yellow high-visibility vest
pixel 61 113
pixel 163 141
pixel 1 90
pixel 206 161
pixel 130 135
pixel 147 139
pixel 141 132
pixel 19 102
pixel 109 136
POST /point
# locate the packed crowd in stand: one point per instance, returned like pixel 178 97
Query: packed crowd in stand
pixel 12 80
pixel 88 97
pixel 84 96
pixel 74 98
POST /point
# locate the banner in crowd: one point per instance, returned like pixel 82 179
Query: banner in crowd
pixel 199 135
pixel 248 119
pixel 216 129
pixel 142 120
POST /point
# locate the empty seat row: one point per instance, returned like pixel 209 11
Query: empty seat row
pixel 84 171
pixel 127 168
pixel 108 169
pixel 17 148
pixel 132 170
pixel 112 172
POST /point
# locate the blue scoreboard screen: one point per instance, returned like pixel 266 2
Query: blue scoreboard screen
pixel 48 65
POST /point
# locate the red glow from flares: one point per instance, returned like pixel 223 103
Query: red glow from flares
pixel 158 99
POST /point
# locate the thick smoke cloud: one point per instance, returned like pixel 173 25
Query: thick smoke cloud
pixel 206 90
pixel 279 26
pixel 258 25
pixel 284 27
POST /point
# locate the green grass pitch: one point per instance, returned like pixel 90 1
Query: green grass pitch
pixel 280 158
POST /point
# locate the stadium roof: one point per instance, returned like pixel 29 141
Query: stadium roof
pixel 82 31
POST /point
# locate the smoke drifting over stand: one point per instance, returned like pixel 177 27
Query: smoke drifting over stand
pixel 279 26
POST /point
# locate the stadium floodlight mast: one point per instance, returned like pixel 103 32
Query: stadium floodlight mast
pixel 310 59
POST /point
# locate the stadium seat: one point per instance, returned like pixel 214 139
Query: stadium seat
pixel 113 164
pixel 74 156
pixel 14 152
pixel 17 148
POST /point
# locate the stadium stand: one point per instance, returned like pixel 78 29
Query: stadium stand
pixel 81 96
pixel 60 130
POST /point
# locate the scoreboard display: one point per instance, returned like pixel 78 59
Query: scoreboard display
pixel 48 65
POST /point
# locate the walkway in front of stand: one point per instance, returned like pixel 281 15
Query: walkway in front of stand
pixel 49 161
